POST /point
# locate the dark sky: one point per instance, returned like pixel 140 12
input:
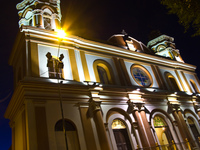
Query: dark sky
pixel 97 20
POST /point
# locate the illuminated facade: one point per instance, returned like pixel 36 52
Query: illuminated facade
pixel 98 96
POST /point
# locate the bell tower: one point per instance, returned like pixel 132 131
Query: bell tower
pixel 163 45
pixel 44 14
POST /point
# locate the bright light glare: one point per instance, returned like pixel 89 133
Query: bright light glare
pixel 61 33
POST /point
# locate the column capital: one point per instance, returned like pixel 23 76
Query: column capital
pixel 94 101
pixel 95 105
pixel 196 104
pixel 134 125
pixel 135 101
pixel 197 107
pixel 139 105
pixel 135 106
pixel 174 106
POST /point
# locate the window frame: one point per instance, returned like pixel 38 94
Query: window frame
pixel 194 86
pixel 106 66
pixel 170 83
pixel 126 129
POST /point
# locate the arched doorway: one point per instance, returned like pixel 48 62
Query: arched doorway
pixel 162 131
pixel 121 135
pixel 194 129
pixel 71 135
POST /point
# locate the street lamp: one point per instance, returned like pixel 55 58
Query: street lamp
pixel 61 34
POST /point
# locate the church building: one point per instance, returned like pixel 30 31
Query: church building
pixel 71 93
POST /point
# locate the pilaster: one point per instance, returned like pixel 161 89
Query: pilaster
pixel 95 109
pixel 184 129
pixel 136 104
pixel 135 112
pixel 87 127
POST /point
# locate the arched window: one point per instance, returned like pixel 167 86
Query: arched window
pixel 71 135
pixel 47 23
pixel 171 82
pixel 30 22
pixel 47 19
pixel 162 130
pixel 102 75
pixel 103 72
pixel 55 66
pixel 194 86
pixel 194 129
pixel 121 135
pixel 26 17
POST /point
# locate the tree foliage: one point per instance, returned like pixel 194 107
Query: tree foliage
pixel 188 12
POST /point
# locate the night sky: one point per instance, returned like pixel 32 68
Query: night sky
pixel 96 20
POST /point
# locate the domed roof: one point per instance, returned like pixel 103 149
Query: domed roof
pixel 127 42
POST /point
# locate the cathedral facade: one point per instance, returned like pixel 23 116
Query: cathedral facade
pixel 72 93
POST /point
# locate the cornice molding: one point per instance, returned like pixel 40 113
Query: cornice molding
pixel 23 4
pixel 88 45
pixel 42 90
pixel 159 39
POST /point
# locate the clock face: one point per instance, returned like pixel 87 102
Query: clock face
pixel 141 76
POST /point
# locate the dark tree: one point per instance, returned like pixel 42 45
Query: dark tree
pixel 188 12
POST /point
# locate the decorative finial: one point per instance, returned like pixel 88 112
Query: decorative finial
pixel 124 32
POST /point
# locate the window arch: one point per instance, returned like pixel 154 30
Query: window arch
pixel 194 86
pixel 47 18
pixel 71 135
pixel 168 123
pixel 27 13
pixel 121 135
pixel 124 117
pixel 27 17
pixel 193 128
pixel 162 130
pixel 172 83
pixel 141 75
pixel 103 72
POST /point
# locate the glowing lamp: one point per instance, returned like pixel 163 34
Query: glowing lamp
pixel 61 33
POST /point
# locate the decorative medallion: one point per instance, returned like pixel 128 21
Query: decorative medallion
pixel 141 75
